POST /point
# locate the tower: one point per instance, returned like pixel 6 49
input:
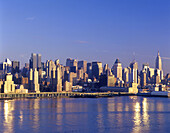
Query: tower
pixel 15 67
pixel 117 69
pixel 105 69
pixel 158 64
pixel 39 61
pixel 33 81
pixel 134 72
pixel 143 78
pixel 71 62
pixel 126 74
pixel 97 69
pixel 33 61
pixel 82 64
pixel 51 66
pixel 58 78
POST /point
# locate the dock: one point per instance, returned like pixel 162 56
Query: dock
pixel 63 94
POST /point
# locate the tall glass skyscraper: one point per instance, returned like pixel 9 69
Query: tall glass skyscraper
pixel 35 61
pixel 39 61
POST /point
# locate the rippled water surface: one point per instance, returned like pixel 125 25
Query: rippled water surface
pixel 86 115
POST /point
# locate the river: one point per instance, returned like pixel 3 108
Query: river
pixel 130 114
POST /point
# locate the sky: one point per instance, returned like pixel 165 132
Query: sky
pixel 92 30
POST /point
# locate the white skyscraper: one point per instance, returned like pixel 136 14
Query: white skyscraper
pixel 158 64
pixel 134 72
pixel 33 81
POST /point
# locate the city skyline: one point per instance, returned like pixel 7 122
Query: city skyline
pixel 84 66
pixel 110 66
pixel 39 76
pixel 86 30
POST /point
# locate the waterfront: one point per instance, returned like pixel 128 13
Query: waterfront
pixel 4 96
pixel 116 114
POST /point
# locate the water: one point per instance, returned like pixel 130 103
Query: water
pixel 128 114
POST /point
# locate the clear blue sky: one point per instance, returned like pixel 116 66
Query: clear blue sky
pixel 91 30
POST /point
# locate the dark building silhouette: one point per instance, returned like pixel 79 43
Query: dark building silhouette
pixel 39 61
pixel 82 64
pixel 15 67
pixel 97 69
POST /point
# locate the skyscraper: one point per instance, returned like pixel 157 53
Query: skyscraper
pixel 58 77
pixel 89 67
pixel 33 81
pixel 89 70
pixel 117 69
pixel 6 66
pixel 158 64
pixel 38 61
pixel 97 69
pixel 57 62
pixel 143 78
pixel 47 63
pixel 71 63
pixel 126 74
pixel 134 72
pixel 53 79
pixel 15 67
pixel 51 66
pixel 33 61
pixel 82 64
pixel 105 69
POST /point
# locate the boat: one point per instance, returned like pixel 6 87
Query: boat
pixel 160 93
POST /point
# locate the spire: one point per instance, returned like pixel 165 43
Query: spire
pixel 158 53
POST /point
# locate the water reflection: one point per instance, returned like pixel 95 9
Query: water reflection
pixel 21 117
pixel 137 118
pixel 8 116
pixel 145 113
pixel 118 114
pixel 35 116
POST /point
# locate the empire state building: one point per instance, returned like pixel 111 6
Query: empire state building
pixel 158 64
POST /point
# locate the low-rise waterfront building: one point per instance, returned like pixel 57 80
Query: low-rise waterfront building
pixel 21 89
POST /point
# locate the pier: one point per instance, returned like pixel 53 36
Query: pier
pixel 62 94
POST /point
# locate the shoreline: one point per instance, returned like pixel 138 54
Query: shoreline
pixel 5 96
pixel 10 96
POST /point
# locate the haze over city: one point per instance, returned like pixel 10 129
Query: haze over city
pixel 87 30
